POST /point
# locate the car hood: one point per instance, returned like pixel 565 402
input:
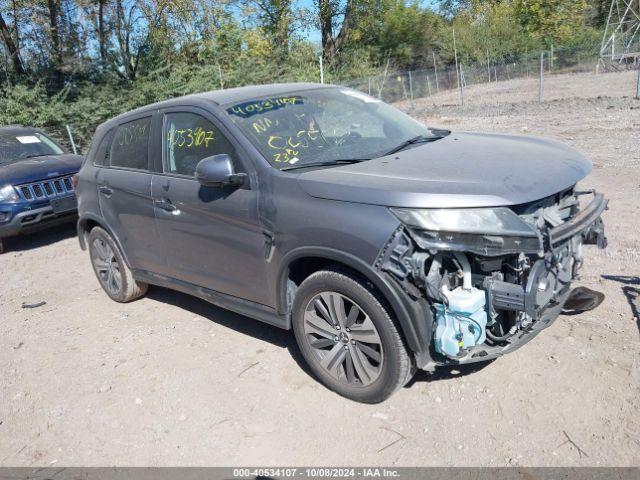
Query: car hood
pixel 460 170
pixel 39 168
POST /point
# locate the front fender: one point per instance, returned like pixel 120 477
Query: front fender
pixel 411 315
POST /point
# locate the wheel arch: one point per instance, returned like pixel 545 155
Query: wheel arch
pixel 87 222
pixel 300 263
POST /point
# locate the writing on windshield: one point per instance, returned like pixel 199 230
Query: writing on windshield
pixel 287 135
pixel 322 125
pixel 248 109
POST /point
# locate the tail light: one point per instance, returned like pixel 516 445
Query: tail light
pixel 75 181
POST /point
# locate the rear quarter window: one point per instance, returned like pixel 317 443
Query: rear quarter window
pixel 130 145
pixel 101 154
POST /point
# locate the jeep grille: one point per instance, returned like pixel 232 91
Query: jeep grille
pixel 46 189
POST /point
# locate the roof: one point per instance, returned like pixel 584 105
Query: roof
pixel 18 130
pixel 239 94
pixel 231 95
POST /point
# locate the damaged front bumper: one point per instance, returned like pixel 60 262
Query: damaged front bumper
pixel 524 292
pixel 586 222
pixel 482 353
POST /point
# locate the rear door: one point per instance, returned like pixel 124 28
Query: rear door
pixel 211 235
pixel 124 192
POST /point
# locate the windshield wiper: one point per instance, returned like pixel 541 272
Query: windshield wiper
pixel 345 161
pixel 411 141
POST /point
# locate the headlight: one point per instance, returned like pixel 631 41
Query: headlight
pixel 8 194
pixel 484 231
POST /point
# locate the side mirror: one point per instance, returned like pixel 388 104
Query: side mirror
pixel 218 171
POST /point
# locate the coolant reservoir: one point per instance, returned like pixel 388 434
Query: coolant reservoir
pixel 461 324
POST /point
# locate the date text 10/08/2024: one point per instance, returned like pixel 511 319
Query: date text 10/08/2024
pixel 316 472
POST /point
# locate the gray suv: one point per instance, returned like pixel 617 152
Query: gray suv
pixel 386 245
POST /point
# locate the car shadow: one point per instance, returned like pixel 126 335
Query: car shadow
pixel 631 291
pixel 447 373
pixel 40 238
pixel 234 321
pixel 283 338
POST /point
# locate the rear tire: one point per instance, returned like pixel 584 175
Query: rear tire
pixel 112 272
pixel 348 336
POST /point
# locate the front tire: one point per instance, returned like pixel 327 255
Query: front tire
pixel 112 272
pixel 348 337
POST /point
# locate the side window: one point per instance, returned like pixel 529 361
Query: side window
pixel 188 138
pixel 130 146
pixel 101 156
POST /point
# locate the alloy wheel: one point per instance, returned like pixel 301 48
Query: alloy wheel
pixel 106 265
pixel 343 338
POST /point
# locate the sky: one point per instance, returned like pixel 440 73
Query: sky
pixel 313 34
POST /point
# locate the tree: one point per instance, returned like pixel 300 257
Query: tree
pixel 130 45
pixel 12 48
pixel 100 27
pixel 406 32
pixel 494 29
pixel 552 22
pixel 276 19
pixel 54 33
pixel 332 13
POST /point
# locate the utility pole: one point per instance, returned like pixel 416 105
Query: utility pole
pixel 220 76
pixel 461 86
pixel 73 144
pixel 384 77
pixel 488 66
pixel 541 91
pixel 411 88
pixel 455 55
pixel 613 46
pixel 435 70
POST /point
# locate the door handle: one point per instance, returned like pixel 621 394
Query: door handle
pixel 166 205
pixel 106 191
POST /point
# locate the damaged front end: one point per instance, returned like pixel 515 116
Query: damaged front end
pixel 493 277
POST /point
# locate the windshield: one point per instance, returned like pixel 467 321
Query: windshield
pixel 18 146
pixel 323 126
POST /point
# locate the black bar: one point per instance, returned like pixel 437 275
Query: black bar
pixel 580 222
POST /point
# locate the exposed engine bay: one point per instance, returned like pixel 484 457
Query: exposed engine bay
pixel 489 291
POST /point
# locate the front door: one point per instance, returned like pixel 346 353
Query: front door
pixel 211 235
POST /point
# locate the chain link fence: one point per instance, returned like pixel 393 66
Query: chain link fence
pixel 538 74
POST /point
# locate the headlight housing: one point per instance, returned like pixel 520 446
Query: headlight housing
pixel 483 231
pixel 8 194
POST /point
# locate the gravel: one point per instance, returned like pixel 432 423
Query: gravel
pixel 172 380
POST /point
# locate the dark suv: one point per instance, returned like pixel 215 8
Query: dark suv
pixel 36 187
pixel 385 244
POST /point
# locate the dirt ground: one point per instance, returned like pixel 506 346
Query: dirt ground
pixel 172 380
